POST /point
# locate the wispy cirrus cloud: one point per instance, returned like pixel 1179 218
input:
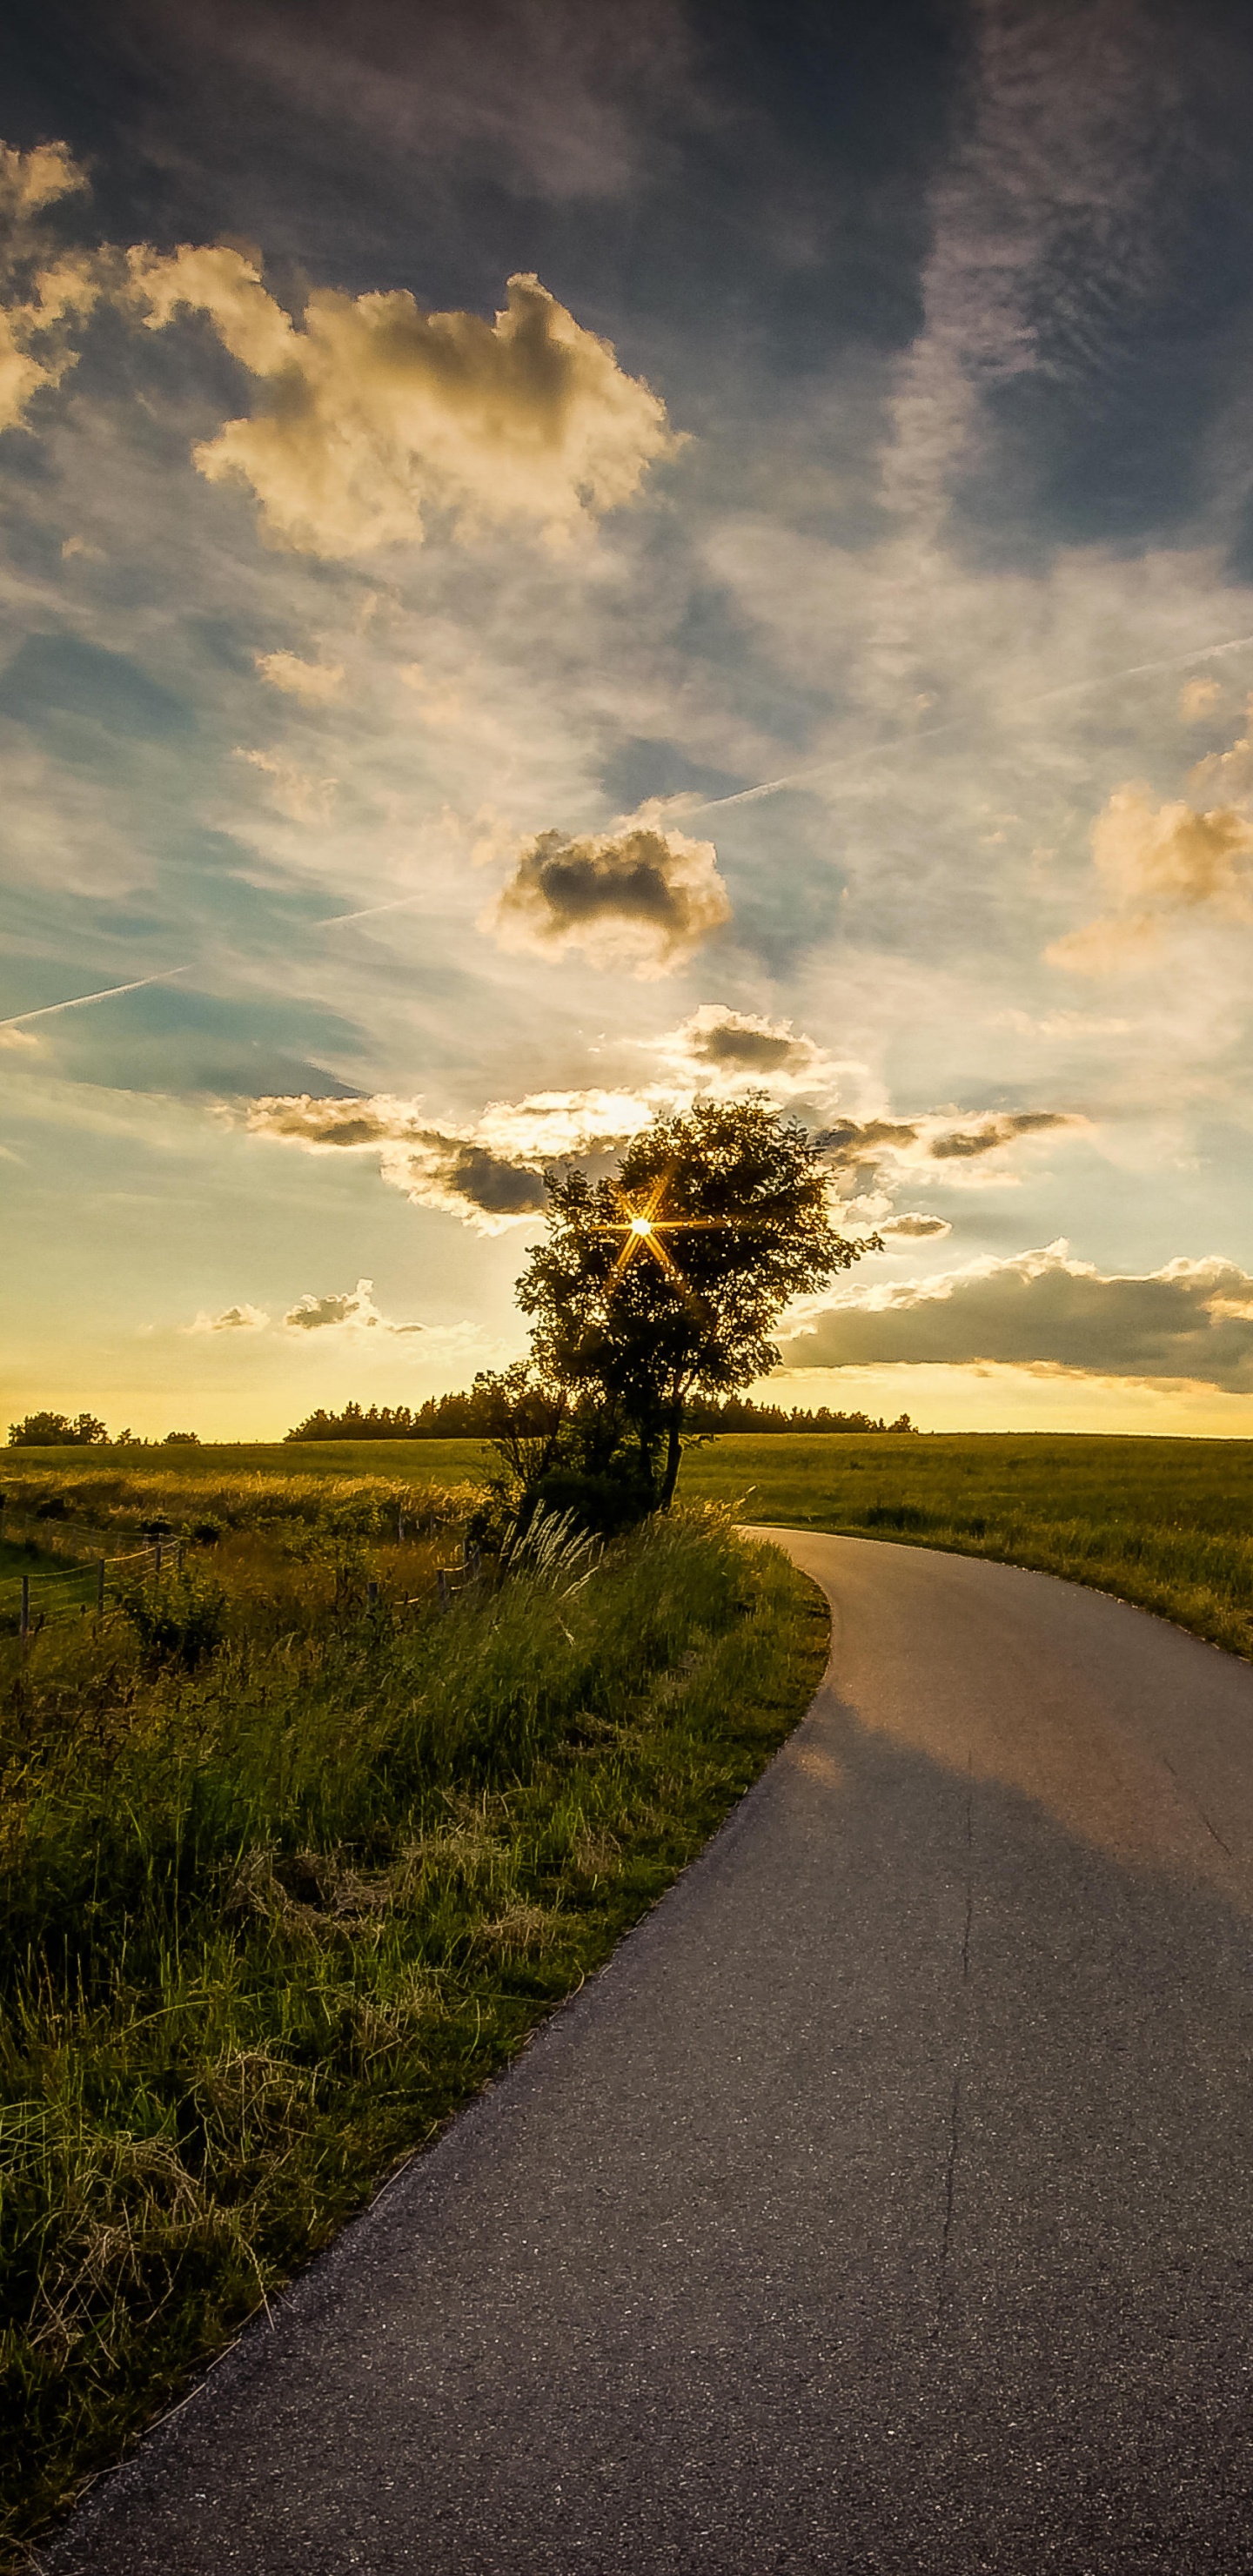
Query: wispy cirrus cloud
pixel 316 684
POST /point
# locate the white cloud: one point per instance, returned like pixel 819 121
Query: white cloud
pixel 301 798
pixel 233 1319
pixel 1155 862
pixel 42 293
pixel 637 897
pixel 352 1310
pixel 1190 1320
pixel 1196 698
pixel 375 412
pixel 315 683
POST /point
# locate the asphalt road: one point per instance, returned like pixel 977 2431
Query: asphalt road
pixel 887 2204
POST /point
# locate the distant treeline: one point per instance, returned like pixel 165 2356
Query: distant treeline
pixel 465 1417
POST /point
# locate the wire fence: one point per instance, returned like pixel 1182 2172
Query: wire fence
pixel 43 1597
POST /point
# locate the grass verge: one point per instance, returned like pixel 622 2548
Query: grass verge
pixel 270 1918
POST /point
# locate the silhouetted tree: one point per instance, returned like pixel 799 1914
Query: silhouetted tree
pixel 670 1279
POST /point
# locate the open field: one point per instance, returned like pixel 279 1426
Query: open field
pixel 1165 1523
pixel 286 1871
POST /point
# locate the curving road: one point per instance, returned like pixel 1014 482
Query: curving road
pixel 887 2204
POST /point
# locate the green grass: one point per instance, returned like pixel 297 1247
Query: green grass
pixel 1164 1523
pixel 268 1917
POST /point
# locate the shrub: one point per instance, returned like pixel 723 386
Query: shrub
pixel 179 1620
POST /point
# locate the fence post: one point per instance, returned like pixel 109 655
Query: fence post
pixel 100 1589
pixel 157 1567
pixel 25 1623
pixel 400 1526
pixel 178 1556
pixel 442 1578
pixel 371 1593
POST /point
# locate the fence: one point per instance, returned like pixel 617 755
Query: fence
pixel 40 1599
pixel 29 1602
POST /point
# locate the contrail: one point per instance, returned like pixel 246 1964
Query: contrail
pixel 78 1000
pixel 931 733
pixel 397 904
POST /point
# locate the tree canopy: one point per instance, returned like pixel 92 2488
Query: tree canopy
pixel 670 1278
pixel 56 1431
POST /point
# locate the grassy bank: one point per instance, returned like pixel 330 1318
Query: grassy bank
pixel 283 1882
pixel 1165 1523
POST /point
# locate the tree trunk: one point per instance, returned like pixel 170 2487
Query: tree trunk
pixel 674 1452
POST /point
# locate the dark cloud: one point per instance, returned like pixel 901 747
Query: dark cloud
pixel 735 1046
pixel 964 1144
pixel 848 1142
pixel 641 896
pixel 932 1139
pixel 1194 1320
pixel 490 1175
pixel 913 1228
pixel 483 1179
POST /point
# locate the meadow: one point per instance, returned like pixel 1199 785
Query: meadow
pixel 1167 1524
pixel 291 1860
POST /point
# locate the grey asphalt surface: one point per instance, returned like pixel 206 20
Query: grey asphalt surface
pixel 886 2205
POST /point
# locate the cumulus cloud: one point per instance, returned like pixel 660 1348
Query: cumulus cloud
pixel 315 683
pixel 729 1050
pixel 233 1319
pixel 374 412
pixel 1196 697
pixel 40 294
pixel 1193 1320
pixel 1159 862
pixel 639 897
pixel 489 1173
pixel 352 1310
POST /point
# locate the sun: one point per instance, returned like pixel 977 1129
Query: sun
pixel 643 1225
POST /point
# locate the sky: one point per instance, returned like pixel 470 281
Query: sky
pixel 556 561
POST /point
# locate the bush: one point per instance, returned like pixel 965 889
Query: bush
pixel 179 1620
pixel 606 1504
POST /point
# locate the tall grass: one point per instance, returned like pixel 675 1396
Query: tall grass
pixel 270 1907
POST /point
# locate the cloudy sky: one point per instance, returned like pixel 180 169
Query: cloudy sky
pixel 555 559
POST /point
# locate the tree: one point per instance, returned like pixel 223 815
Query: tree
pixel 56 1431
pixel 670 1279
